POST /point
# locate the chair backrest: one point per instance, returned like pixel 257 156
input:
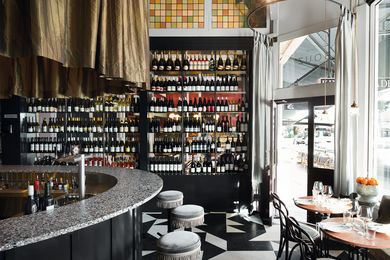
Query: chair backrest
pixel 306 243
pixel 281 208
pixel 384 210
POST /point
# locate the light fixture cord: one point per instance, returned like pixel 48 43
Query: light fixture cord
pixel 326 58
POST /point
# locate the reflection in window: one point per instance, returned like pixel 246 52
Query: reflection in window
pixel 383 98
pixel 304 59
pixel 324 118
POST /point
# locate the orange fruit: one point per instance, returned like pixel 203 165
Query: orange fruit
pixel 371 182
pixel 359 179
pixel 364 181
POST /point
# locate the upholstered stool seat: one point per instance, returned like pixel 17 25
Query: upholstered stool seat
pixel 169 199
pixel 187 216
pixel 179 245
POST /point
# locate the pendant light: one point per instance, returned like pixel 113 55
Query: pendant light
pixel 324 112
pixel 354 109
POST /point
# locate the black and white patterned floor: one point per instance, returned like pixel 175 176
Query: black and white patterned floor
pixel 224 236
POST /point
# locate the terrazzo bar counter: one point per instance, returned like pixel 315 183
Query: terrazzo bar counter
pixel 105 226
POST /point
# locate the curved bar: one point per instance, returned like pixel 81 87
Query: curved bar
pixel 133 188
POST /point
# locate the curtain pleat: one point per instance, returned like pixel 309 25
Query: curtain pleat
pixel 346 123
pixel 261 109
pixel 60 47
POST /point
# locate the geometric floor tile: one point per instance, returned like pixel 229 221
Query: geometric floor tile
pixel 224 236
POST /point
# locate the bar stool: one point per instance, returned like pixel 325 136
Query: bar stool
pixel 168 200
pixel 187 216
pixel 179 245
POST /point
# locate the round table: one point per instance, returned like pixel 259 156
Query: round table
pixel 321 209
pixel 352 238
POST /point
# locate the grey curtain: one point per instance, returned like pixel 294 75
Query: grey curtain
pixel 53 41
pixel 261 109
pixel 346 122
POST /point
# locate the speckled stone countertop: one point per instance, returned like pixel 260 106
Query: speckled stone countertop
pixel 133 188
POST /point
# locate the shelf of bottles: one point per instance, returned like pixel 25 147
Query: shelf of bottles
pixel 106 127
pixel 198 112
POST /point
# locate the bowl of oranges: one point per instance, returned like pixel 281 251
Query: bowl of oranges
pixel 367 188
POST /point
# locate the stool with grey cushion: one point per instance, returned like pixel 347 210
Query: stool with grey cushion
pixel 187 216
pixel 169 200
pixel 179 245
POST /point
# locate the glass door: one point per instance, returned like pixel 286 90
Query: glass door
pixel 304 148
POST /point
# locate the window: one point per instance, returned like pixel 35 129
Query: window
pixel 304 59
pixel 382 143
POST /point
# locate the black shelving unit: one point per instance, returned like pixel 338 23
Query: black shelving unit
pixel 215 190
pixel 20 150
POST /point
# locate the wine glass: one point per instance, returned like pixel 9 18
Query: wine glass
pixel 365 214
pixel 317 189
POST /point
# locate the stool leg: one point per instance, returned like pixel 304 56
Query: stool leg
pixel 170 229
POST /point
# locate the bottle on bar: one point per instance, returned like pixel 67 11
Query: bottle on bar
pixel 31 206
pixel 48 202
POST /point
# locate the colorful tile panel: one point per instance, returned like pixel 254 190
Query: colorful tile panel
pixel 178 14
pixel 227 14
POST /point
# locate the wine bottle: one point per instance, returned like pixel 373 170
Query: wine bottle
pixel 186 63
pixel 235 63
pixel 31 206
pixel 48 201
pixel 220 65
pixel 169 65
pixel 228 62
pixel 161 63
pixel 177 62
pixel 243 61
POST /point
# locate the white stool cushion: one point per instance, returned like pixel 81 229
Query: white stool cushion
pixel 188 211
pixel 170 195
pixel 169 199
pixel 178 242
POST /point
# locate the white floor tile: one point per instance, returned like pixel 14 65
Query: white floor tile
pixel 162 229
pixel 272 234
pixel 147 252
pixel 216 241
pixel 147 218
pixel 230 229
pixel 233 223
pixel 245 255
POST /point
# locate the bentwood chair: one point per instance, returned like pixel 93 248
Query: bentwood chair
pixel 285 237
pixel 307 245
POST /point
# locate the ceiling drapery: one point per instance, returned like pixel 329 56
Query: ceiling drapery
pixel 68 47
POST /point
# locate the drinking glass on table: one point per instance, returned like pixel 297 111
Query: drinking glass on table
pixel 365 214
pixel 317 190
pixel 327 191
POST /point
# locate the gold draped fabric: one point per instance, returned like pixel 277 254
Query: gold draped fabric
pixel 67 47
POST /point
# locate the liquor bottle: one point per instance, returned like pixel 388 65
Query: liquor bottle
pixel 243 61
pixel 192 166
pixel 228 62
pixel 30 206
pixel 236 65
pixel 220 65
pixel 161 62
pixel 186 63
pixel 44 126
pixel 48 202
pixel 177 62
pixel 198 167
pixel 169 65
pixel 212 62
